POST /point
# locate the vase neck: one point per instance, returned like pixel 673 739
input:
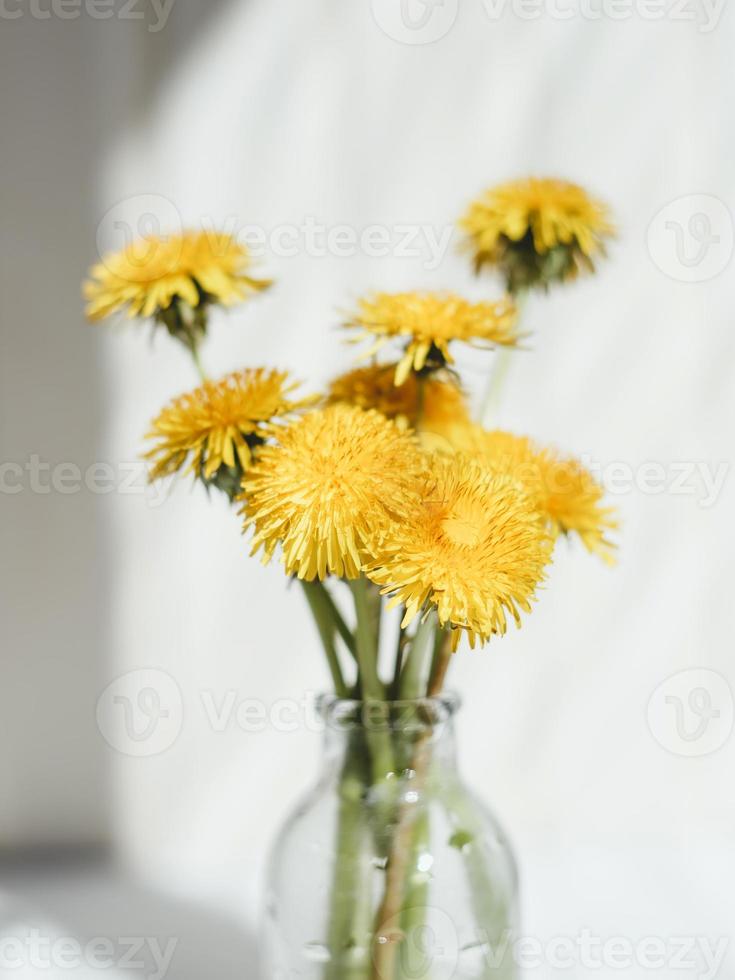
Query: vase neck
pixel 398 729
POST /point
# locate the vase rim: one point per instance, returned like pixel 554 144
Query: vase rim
pixel 414 714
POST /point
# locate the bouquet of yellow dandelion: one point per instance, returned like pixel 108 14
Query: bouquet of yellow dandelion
pixel 382 493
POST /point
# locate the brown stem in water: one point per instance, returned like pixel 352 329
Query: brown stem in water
pixel 388 935
pixel 440 667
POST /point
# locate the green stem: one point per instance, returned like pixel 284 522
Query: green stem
pixel 317 597
pixel 395 687
pixel 196 357
pixel 495 386
pixel 373 691
pixel 375 602
pixel 492 905
pixel 366 639
pixel 499 374
pixel 415 676
pixel 342 628
pixel 416 899
pixel 349 920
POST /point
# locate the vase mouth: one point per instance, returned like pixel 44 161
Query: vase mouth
pixel 420 714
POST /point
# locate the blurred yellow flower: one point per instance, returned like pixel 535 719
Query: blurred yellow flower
pixel 332 481
pixel 217 426
pixel 433 406
pixel 172 279
pixel 472 545
pixel 563 490
pixel 428 323
pixel 537 231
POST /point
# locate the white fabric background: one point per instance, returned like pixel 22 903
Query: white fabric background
pixel 266 113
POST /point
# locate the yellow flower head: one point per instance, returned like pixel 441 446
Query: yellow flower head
pixel 332 481
pixel 173 279
pixel 217 427
pixel 537 231
pixel 563 490
pixel 472 545
pixel 429 322
pixel 433 406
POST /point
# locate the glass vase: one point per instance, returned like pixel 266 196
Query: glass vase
pixel 390 868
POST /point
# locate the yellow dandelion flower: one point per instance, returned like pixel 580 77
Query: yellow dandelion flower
pixel 433 406
pixel 564 491
pixel 216 427
pixel 325 489
pixel 173 279
pixel 537 231
pixel 472 545
pixel 429 322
